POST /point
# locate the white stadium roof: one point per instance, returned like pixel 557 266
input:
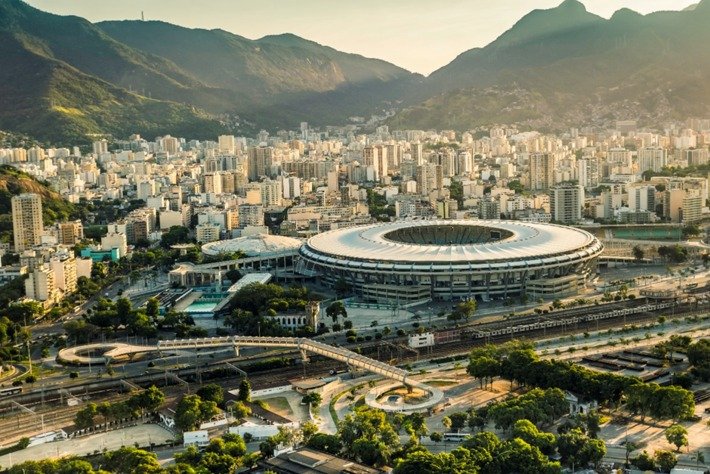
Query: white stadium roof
pixel 260 245
pixel 526 241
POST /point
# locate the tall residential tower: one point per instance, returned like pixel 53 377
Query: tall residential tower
pixel 27 225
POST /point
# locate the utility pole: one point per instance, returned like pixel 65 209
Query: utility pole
pixel 29 355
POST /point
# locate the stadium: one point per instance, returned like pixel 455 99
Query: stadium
pixel 410 261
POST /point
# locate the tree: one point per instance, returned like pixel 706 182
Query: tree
pixel 327 443
pixel 458 420
pixel 149 400
pixel 415 425
pixel 666 460
pixel 677 435
pixel 366 434
pixel 244 394
pixel 123 310
pixel 240 410
pixel 192 410
pixel 698 457
pixel 577 449
pixel 483 368
pixel 308 430
pixel 638 253
pixel 644 462
pixel 516 186
pixel 335 310
pixel 23 313
pixel 699 357
pixel 538 406
pixel 267 447
pixel 211 392
pixel 85 417
pixel 464 310
pixel 446 422
pixel 529 433
pixel 425 462
pixel 130 459
pixel 175 235
pixel 152 308
pixel 314 399
pixel 592 421
pixel 518 456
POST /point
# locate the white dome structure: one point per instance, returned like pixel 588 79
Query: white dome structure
pixel 261 245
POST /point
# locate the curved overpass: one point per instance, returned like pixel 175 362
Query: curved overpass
pixel 109 351
pixel 300 343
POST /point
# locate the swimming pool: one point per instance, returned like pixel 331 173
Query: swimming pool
pixel 201 308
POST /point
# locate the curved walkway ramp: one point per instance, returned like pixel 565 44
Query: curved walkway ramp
pixel 436 396
pixel 300 343
pixel 100 352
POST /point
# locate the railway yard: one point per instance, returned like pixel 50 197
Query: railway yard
pixel 36 411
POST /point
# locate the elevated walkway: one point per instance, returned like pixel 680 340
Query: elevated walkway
pixel 300 343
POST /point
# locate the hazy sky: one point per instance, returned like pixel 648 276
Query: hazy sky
pixel 420 35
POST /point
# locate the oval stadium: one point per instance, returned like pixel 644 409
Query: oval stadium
pixel 411 261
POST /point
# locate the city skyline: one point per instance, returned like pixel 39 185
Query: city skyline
pixel 407 36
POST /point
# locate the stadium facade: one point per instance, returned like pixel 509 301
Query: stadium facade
pixel 409 261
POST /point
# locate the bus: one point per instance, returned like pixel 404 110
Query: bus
pixel 458 437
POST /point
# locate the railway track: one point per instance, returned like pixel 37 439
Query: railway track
pixel 470 335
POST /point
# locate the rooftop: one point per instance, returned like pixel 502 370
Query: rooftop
pixel 253 245
pixel 305 460
pixel 447 241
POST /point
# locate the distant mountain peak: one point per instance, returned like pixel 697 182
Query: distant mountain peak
pixel 572 4
pixel 625 14
pixel 568 15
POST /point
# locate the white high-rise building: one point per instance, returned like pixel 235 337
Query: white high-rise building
pixel 27 224
pixel 642 198
pixel 333 181
pixel 291 187
pixel 115 240
pixel 100 147
pixel 250 215
pixel 542 171
pixel 271 194
pixel 207 232
pixel 566 203
pixel 227 144
pixel 40 285
pixel 64 273
pixel 653 159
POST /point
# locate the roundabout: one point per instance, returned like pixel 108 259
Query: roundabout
pixel 416 397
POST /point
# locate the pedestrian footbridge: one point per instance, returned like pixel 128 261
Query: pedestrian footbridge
pixel 100 353
pixel 301 343
pixel 104 353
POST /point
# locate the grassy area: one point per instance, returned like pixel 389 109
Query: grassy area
pixel 417 395
pixel 334 400
pixel 279 405
pixel 441 383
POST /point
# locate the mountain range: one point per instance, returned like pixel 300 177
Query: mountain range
pixel 64 79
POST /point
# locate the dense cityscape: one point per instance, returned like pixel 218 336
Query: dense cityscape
pixel 359 298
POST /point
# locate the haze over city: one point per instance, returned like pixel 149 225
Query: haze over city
pixel 418 35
